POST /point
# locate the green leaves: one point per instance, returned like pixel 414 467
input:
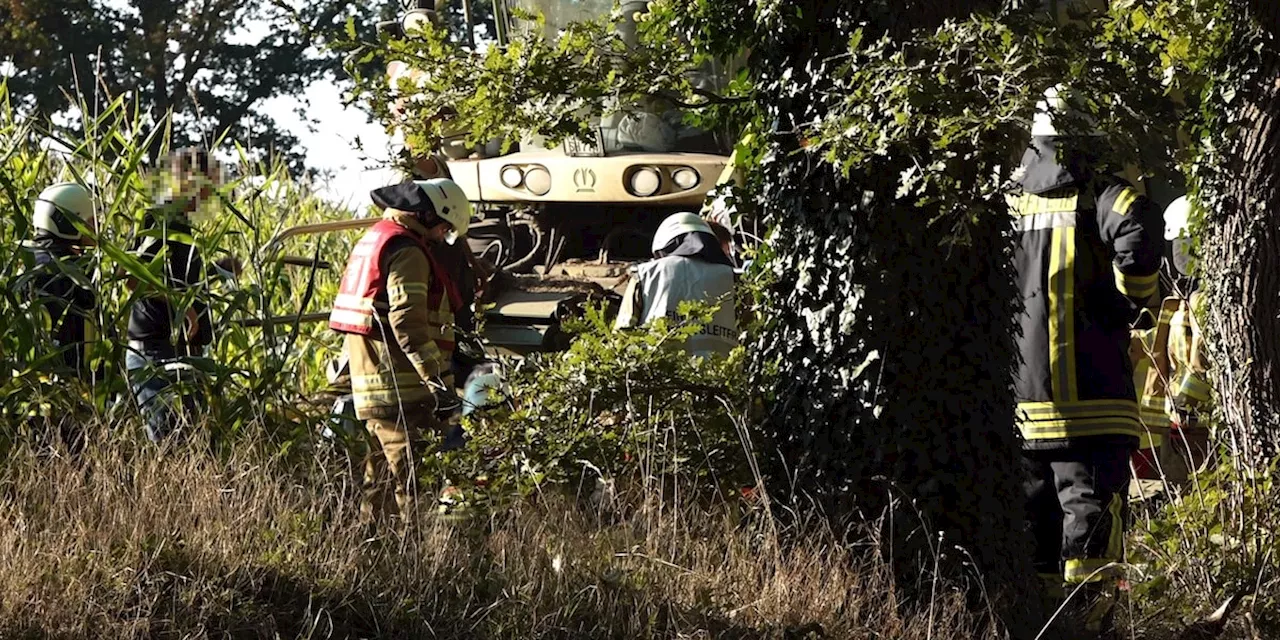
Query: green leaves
pixel 617 403
pixel 554 88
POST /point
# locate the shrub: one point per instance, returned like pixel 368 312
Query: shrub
pixel 628 406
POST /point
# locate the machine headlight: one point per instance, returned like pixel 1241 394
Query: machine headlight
pixel 512 177
pixel 538 181
pixel 645 182
pixel 416 19
pixel 685 178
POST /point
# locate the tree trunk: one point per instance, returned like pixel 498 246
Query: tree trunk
pixel 155 18
pixel 895 397
pixel 1242 251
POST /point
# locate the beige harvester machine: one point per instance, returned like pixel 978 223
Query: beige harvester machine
pixel 557 225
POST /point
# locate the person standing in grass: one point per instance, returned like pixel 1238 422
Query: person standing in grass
pixel 395 306
pixel 1087 260
pixel 170 324
pixel 65 305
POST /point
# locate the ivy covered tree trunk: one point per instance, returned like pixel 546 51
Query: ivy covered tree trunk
pixel 1241 246
pixel 894 327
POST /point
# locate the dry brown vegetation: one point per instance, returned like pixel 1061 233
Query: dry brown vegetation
pixel 127 541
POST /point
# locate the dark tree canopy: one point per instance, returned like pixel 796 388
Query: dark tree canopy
pixel 211 62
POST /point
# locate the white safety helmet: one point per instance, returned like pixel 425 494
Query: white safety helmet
pixel 450 203
pixel 1177 219
pixel 55 205
pixel 1056 103
pixel 675 225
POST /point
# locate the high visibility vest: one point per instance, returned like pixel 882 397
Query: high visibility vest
pixel 361 303
pixel 666 282
pixel 1149 352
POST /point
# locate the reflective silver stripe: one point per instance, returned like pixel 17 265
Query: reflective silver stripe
pixel 1030 204
pixel 1042 221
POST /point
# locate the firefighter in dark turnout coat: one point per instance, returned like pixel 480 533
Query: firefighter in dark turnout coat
pixel 1088 259
pixel 65 305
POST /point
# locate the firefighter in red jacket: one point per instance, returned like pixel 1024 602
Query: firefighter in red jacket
pixel 1088 258
pixel 396 306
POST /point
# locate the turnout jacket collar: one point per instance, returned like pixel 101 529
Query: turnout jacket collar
pixel 1042 170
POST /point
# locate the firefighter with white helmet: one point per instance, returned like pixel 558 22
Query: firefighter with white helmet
pixel 59 214
pixel 689 265
pixel 396 306
pixel 1189 390
pixel 1087 261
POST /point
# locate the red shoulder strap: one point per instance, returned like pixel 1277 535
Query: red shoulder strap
pixel 450 288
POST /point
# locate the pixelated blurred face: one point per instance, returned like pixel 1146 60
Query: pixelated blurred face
pixel 199 185
pixel 196 177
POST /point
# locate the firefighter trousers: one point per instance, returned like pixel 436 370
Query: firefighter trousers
pixel 389 470
pixel 1076 509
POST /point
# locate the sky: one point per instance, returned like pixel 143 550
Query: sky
pixel 331 147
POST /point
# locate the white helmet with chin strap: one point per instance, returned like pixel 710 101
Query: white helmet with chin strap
pixel 678 224
pixel 1177 219
pixel 54 208
pixel 449 201
pixel 1056 104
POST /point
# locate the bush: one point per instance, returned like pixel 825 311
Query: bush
pixel 619 408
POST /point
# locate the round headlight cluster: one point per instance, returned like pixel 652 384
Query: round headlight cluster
pixel 536 179
pixel 685 178
pixel 512 177
pixel 645 181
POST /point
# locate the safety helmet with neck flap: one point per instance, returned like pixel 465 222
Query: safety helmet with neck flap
pixel 56 206
pixel 675 225
pixel 450 203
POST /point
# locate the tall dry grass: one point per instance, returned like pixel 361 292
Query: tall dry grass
pixel 125 541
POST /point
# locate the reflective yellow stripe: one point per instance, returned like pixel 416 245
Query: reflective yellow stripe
pixel 390 398
pixel 385 380
pixel 1194 387
pixel 1115 542
pixel 1062 355
pixel 1154 417
pixel 1058 420
pixel 1078 570
pixel 1143 287
pixel 1155 428
pixel 1028 204
pixel 1079 409
pixel 1124 201
pixel 1168 309
pixel 1080 428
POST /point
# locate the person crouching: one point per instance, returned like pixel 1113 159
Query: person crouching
pixel 689 265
